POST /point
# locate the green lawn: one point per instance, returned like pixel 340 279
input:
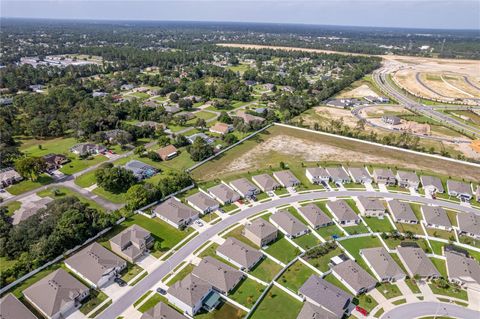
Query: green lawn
pixel 441 266
pixel 414 228
pixel 399 302
pixel 86 180
pixel 440 233
pixel 354 245
pixel 237 233
pixel 282 250
pixel 96 297
pixel 131 272
pixel 321 263
pixel 366 302
pixel 389 290
pixel 358 229
pixel 378 225
pixel 28 185
pixel 181 274
pixel 212 252
pixel 247 292
pixel 295 276
pixel 59 192
pixel 224 310
pixel 266 269
pixel 451 291
pixel 329 231
pixel 11 208
pixel 436 246
pixel 413 286
pixel 469 241
pixel 307 241
pixel 151 302
pixel 392 243
pixel 277 304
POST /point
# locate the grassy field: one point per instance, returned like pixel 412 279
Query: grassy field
pixel 354 245
pixel 247 292
pixel 393 243
pixel 277 304
pixel 282 250
pixel 357 229
pixel 389 290
pixel 295 275
pixel 151 302
pixel 181 274
pixel 441 266
pixel 307 241
pixel 11 208
pixel 28 185
pixel 266 270
pixel 59 192
pixel 450 291
pixel 329 231
pixel 379 225
pixel 321 263
pixel 131 271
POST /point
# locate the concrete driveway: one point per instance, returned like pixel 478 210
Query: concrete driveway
pixel 147 262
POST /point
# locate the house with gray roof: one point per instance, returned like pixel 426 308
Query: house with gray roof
pixel 355 278
pixel 323 294
pixel 371 207
pixel 338 175
pixel 245 188
pixel 203 203
pixel 84 149
pixel 189 294
pixel 314 216
pixel 176 213
pixel 469 225
pixel 407 179
pixel 9 176
pixel 266 182
pixel 56 294
pixel 12 308
pixel 463 270
pixel 459 189
pixel 416 262
pixel 288 224
pixel 431 184
pixel 96 265
pixel 382 264
pixel 239 254
pixel 342 212
pixel 131 243
pixel 29 209
pixel 436 217
pixel 317 175
pixel 360 175
pixel 162 311
pixel 286 178
pixel 140 169
pixel 224 194
pixel 310 311
pixel 402 212
pixel 384 176
pixel 173 108
pixel 220 275
pixel 260 232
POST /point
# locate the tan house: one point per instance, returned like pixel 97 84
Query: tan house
pixel 132 243
pixel 260 232
pixel 167 152
pixel 221 128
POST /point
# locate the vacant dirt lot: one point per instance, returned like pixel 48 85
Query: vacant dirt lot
pixel 359 92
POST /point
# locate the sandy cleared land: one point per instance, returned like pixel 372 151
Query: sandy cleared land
pixel 380 110
pixel 359 92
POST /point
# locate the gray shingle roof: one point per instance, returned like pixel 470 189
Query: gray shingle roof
pixel 315 215
pixel 371 203
pixel 288 222
pixel 219 275
pixel 318 171
pixel 310 311
pixel 428 181
pixel 12 308
pixel 202 201
pixel 354 275
pixel 407 175
pixel 239 252
pixel 341 210
pixel 382 262
pixel 286 178
pixel 468 222
pixel 417 262
pixel 244 186
pixel 459 187
pixel 133 234
pixel 190 290
pixel 436 215
pixel 162 311
pixel 462 268
pixel 359 173
pixel 224 193
pixel 175 211
pixel 266 182
pixel 337 173
pixel 261 228
pixel 401 210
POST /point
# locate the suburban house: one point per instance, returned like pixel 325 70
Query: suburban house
pixel 176 213
pixel 288 224
pixel 151 124
pixel 316 175
pixel 245 188
pixel 416 262
pixel 343 213
pixel 360 175
pixel 203 136
pixel 239 254
pixel 391 119
pixel 382 264
pixel 469 225
pixel 265 182
pixel 140 169
pixel 221 276
pixel 29 209
pixel 354 277
pixel 171 108
pixel 96 265
pixel 192 294
pixel 459 189
pixel 12 308
pixel 432 184
pixel 314 216
pixel 402 212
pixel 384 176
pixel 56 294
pixel 221 128
pixel 112 136
pixel 9 176
pixel 320 293
pixel 167 152
pixel 203 203
pixel 407 179
pixel 310 311
pixel 463 270
pixel 224 194
pixel 286 178
pixel 84 149
pixel 260 232
pixel 131 243
pixel 436 217
pixel 371 207
pixel 162 311
pixel 55 161
pixel 248 118
pixel 338 175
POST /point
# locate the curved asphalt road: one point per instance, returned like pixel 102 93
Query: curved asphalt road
pixel 153 278
pixel 421 309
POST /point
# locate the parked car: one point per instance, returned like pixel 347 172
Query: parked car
pixel 120 282
pixel 198 223
pixel 161 291
pixel 361 310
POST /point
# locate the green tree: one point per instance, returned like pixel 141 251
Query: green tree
pixel 138 196
pixel 115 179
pixel 30 167
pixel 200 150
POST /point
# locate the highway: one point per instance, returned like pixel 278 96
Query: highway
pixel 151 281
pixel 430 308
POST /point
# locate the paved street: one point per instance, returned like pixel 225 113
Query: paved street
pixel 154 277
pixel 421 309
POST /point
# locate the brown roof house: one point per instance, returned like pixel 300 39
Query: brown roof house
pixel 320 293
pixel 314 216
pixel 402 212
pixel 266 182
pixel 189 294
pixel 260 232
pixel 245 188
pixel 384 176
pixel 176 213
pixel 96 265
pixel 417 262
pixel 288 224
pixel 370 207
pixel 167 152
pixel 286 178
pixel 382 264
pixel 354 277
pixel 469 224
pixel 248 118
pixel 203 203
pixel 436 217
pixel 132 243
pixel 463 270
pixel 221 128
pixel 55 161
pixel 162 311
pixel 239 254
pixel 343 213
pixel 12 308
pixel 221 276
pixel 56 294
pixel 224 194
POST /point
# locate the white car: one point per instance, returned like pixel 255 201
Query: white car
pixel 198 223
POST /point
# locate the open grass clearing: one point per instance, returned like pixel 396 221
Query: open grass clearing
pixel 307 241
pixel 451 291
pixel 277 304
pixel 378 225
pixel 328 232
pixel 295 276
pixel 247 292
pixel 321 263
pixel 266 270
pixel 181 274
pixel 282 250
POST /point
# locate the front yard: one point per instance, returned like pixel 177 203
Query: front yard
pixel 277 304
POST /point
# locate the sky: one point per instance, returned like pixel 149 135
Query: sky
pixel 438 14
